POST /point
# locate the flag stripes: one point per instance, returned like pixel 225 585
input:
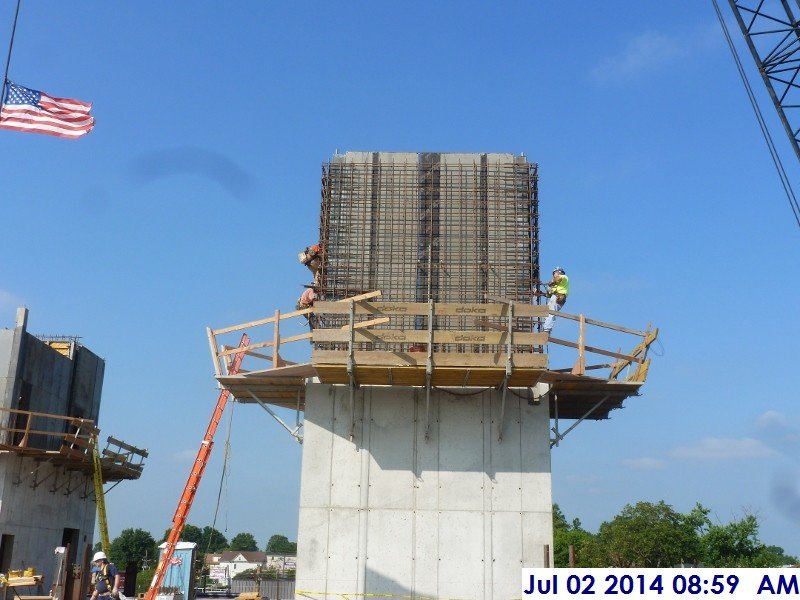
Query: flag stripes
pixel 33 111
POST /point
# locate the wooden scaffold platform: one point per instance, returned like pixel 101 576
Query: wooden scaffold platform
pixel 362 341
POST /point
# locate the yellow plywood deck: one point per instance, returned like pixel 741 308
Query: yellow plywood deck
pixel 575 394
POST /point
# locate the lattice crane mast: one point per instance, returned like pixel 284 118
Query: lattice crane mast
pixel 195 476
pixel 773 35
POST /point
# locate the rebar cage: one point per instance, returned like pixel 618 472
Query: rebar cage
pixel 430 226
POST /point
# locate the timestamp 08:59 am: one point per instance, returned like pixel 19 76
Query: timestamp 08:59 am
pixel 660 583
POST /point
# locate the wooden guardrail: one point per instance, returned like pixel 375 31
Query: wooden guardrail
pixel 31 432
pixel 17 429
pixel 222 354
pixel 363 331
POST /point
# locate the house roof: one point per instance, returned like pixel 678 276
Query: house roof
pixel 242 556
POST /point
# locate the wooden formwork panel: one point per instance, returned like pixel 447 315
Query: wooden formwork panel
pixel 321 358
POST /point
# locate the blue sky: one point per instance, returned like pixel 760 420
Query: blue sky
pixel 186 205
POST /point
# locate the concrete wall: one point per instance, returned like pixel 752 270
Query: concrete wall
pixel 11 349
pixel 40 500
pixel 456 515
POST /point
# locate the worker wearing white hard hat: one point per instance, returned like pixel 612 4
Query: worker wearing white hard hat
pixel 105 578
pixel 557 292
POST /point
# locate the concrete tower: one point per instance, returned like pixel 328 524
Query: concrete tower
pixel 428 398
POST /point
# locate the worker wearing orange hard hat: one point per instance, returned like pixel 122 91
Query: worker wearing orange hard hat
pixel 311 257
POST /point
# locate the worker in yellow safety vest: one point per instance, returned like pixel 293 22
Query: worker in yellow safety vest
pixel 557 292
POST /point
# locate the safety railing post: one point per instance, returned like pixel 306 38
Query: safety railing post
pixel 580 364
pixel 276 340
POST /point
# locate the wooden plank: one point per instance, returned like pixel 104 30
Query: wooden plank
pixel 580 364
pixel 490 325
pixel 286 340
pixel 74 440
pixel 24 581
pixel 364 324
pixel 238 384
pixel 594 350
pixel 381 335
pixel 638 350
pixel 256 323
pixel 572 317
pixel 71 453
pixel 276 340
pixel 441 309
pixel 530 310
pixel 444 309
pixel 115 456
pixel 421 337
pixel 257 355
pixel 47 415
pixel 640 374
pixel 360 297
pixel 373 308
pixel 299 370
pixel 288 315
pixel 440 359
pixel 125 446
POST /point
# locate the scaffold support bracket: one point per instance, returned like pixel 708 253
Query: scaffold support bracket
pixel 509 370
pixel 429 371
pixel 560 436
pixel 295 433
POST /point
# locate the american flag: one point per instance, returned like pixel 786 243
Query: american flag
pixel 35 112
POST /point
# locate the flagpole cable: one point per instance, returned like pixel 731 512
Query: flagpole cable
pixel 8 58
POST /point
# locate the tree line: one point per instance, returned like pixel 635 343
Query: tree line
pixel 138 545
pixel 649 534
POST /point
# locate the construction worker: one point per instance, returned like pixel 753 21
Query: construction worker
pixel 312 258
pixel 306 300
pixel 105 578
pixel 557 292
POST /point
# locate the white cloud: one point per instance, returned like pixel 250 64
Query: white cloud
pixel 711 449
pixel 644 52
pixel 780 429
pixel 652 49
pixel 644 463
pixel 771 419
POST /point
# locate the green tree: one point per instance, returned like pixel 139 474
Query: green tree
pixel 247 574
pixel 571 534
pixel 212 541
pixel 648 535
pixel 190 533
pixel 132 545
pixel 280 544
pixel 143 579
pixel 244 542
pixel 736 544
pixel 207 539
